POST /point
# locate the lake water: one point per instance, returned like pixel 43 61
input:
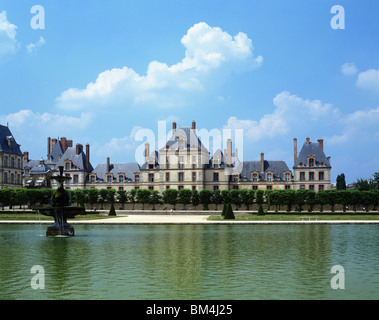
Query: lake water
pixel 243 262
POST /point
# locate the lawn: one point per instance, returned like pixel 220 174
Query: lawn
pixel 34 216
pixel 298 217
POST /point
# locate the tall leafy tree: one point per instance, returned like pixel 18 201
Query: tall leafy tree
pixel 143 196
pixel 170 196
pixel 205 198
pixel 341 182
pixel 122 197
pixel 184 196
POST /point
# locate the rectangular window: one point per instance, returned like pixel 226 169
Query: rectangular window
pixel 302 187
pixel 311 176
pixel 302 176
pixel 5 161
pixel 120 188
pixel 76 178
pixel 12 162
pixel 180 176
pixel 311 187
pixel 215 188
pixel 167 162
pixel 288 177
pixel 287 187
pixel 215 176
pixel 167 177
pixel 269 177
pixel 193 162
pixel 151 177
pixel 321 187
pixel 5 177
pixel 92 178
pixel 255 187
pixel 321 176
pixel 67 166
pixel 235 187
pixel 109 178
pixel 269 187
pixel 167 187
pixel 181 165
pixel 120 178
pixel 193 176
pixel 180 187
pixel 193 187
pixel 255 177
pixel 311 162
pixel 151 188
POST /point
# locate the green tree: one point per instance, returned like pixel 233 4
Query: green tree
pixel 143 196
pixel 205 198
pixel 235 198
pixel 300 197
pixel 111 195
pixel 341 182
pixel 93 196
pixel 331 196
pixel 375 180
pixel 289 199
pixel 184 197
pixel 321 199
pixel 103 196
pixel 21 196
pixel 155 198
pixel 170 196
pixel 310 199
pixel 79 197
pixel 132 197
pixel 225 194
pixel 217 198
pixel 195 199
pixel 364 185
pixel 122 197
pixel 259 196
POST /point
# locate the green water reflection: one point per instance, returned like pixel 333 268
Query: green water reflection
pixel 191 262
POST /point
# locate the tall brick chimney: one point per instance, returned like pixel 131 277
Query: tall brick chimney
pixel 79 148
pixel 229 152
pixel 70 143
pixel 193 125
pixel 294 151
pixel 26 156
pixel 147 150
pixel 108 164
pixel 321 142
pixel 48 145
pixel 307 140
pixel 87 156
pixel 173 127
pixel 53 143
pixel 64 144
pixel 262 162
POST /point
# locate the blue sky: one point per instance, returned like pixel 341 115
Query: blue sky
pixel 102 70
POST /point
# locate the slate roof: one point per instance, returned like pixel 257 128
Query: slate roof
pixel 155 156
pixel 77 160
pixel 278 167
pixel 192 140
pixel 56 152
pixel 127 168
pixel 5 135
pixel 312 148
pixel 36 167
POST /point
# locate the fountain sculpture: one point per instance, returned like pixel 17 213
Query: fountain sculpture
pixel 60 209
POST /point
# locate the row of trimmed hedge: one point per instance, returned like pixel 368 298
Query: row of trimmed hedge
pixel 290 199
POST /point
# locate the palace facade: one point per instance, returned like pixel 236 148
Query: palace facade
pixel 183 163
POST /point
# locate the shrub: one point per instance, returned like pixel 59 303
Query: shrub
pixel 112 211
pixel 260 211
pixel 229 215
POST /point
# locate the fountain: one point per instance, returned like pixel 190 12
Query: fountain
pixel 60 209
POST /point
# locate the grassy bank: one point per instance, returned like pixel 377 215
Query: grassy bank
pixel 297 216
pixel 34 216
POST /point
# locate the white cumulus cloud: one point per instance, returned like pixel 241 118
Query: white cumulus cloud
pixel 32 47
pixel 209 51
pixel 349 68
pixel 8 41
pixel 369 80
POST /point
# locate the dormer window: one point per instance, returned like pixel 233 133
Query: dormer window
pixel 311 161
pixel 67 165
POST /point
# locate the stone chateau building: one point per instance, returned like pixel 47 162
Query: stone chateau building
pixel 10 160
pixel 184 162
